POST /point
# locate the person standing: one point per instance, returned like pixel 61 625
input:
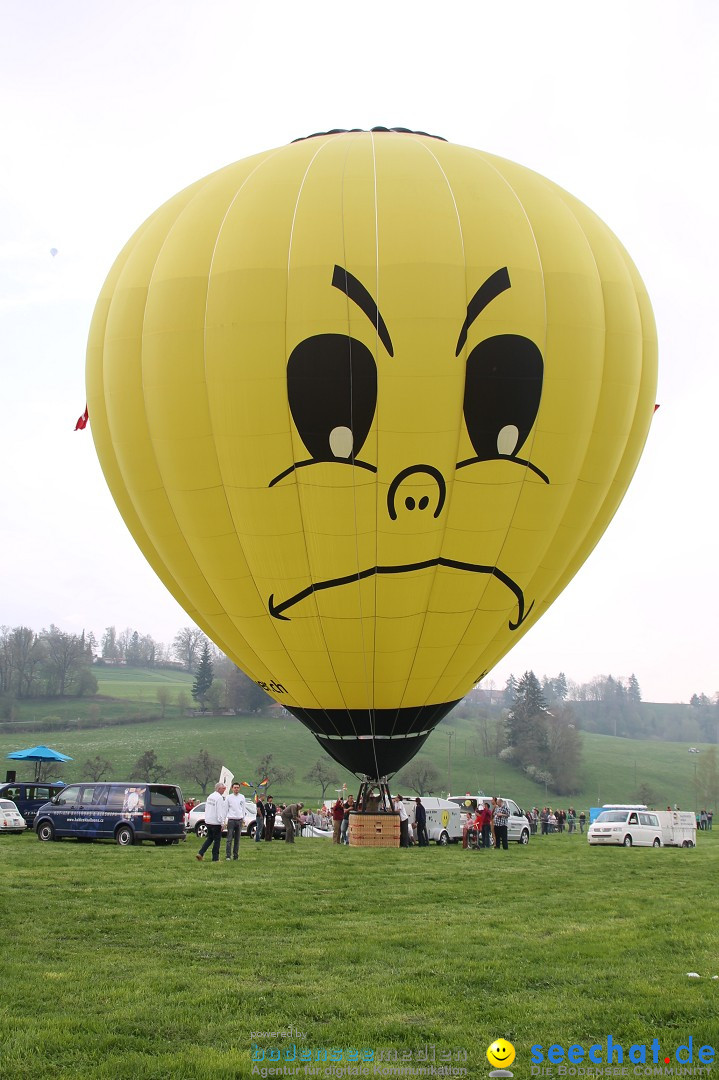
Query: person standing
pixel 259 818
pixel 582 821
pixel 349 806
pixel 420 817
pixel 215 816
pixel 270 814
pixel 236 810
pixel 338 813
pixel 500 819
pixel 291 815
pixel 485 824
pixel 403 821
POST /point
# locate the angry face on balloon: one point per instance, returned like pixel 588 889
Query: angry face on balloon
pixel 332 391
pixel 411 452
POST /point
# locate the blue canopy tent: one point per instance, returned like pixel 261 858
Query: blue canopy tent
pixel 40 755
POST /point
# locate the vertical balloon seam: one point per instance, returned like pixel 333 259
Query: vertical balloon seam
pixel 613 499
pixel 545 603
pixel 199 617
pixel 436 571
pixel 163 572
pixel 603 511
pixel 375 583
pixel 204 620
pixel 100 428
pixel 581 551
pixel 237 195
pixel 323 146
pixel 460 683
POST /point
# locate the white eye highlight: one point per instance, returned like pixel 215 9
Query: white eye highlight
pixel 507 440
pixel 341 442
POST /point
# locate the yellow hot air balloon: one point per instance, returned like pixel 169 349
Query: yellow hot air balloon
pixel 366 403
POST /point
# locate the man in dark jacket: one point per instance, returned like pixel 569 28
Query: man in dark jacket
pixel 270 813
pixel 259 818
pixel 420 817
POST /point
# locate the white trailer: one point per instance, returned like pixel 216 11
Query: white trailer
pixel 679 828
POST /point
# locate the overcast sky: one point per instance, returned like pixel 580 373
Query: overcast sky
pixel 110 108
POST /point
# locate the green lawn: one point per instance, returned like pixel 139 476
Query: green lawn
pixel 145 964
pixel 139 684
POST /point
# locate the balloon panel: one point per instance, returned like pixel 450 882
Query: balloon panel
pixel 366 403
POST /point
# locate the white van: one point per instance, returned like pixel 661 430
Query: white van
pixel 444 820
pixel 627 826
pixel 679 828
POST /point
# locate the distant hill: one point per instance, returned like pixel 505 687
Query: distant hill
pixel 125 719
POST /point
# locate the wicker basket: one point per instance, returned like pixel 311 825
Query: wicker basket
pixel 374 830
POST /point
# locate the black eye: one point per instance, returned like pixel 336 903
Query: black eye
pixel 502 390
pixel 332 391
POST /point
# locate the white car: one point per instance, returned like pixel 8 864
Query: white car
pixel 195 822
pixel 11 820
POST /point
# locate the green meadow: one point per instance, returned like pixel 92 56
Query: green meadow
pixel 144 964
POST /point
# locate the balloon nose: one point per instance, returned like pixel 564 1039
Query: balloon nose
pixel 434 501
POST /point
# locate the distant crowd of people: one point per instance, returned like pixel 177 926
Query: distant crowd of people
pixel 548 820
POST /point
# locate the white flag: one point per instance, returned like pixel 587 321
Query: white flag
pixel 226 777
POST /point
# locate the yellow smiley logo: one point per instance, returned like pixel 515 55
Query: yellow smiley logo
pixel 500 1054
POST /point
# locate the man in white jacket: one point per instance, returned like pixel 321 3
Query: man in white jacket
pixel 215 817
pixel 236 810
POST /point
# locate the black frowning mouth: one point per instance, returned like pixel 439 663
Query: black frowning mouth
pixel 276 609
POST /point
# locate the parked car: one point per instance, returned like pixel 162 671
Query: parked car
pixel 518 828
pixel 29 797
pixel 128 813
pixel 195 822
pixel 11 820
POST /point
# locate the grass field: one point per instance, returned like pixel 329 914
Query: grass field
pixel 145 964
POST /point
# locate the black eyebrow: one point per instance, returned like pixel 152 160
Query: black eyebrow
pixel 355 290
pixel 497 283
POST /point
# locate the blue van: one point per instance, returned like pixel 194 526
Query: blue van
pixel 127 813
pixel 29 797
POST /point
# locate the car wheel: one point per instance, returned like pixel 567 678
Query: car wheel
pixel 524 838
pixel 45 831
pixel 443 839
pixel 201 830
pixel 251 828
pixel 657 842
pixel 125 836
pixel 627 841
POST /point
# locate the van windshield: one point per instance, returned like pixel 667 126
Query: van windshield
pixel 613 815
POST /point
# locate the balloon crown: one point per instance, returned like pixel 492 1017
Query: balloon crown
pixel 345 131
